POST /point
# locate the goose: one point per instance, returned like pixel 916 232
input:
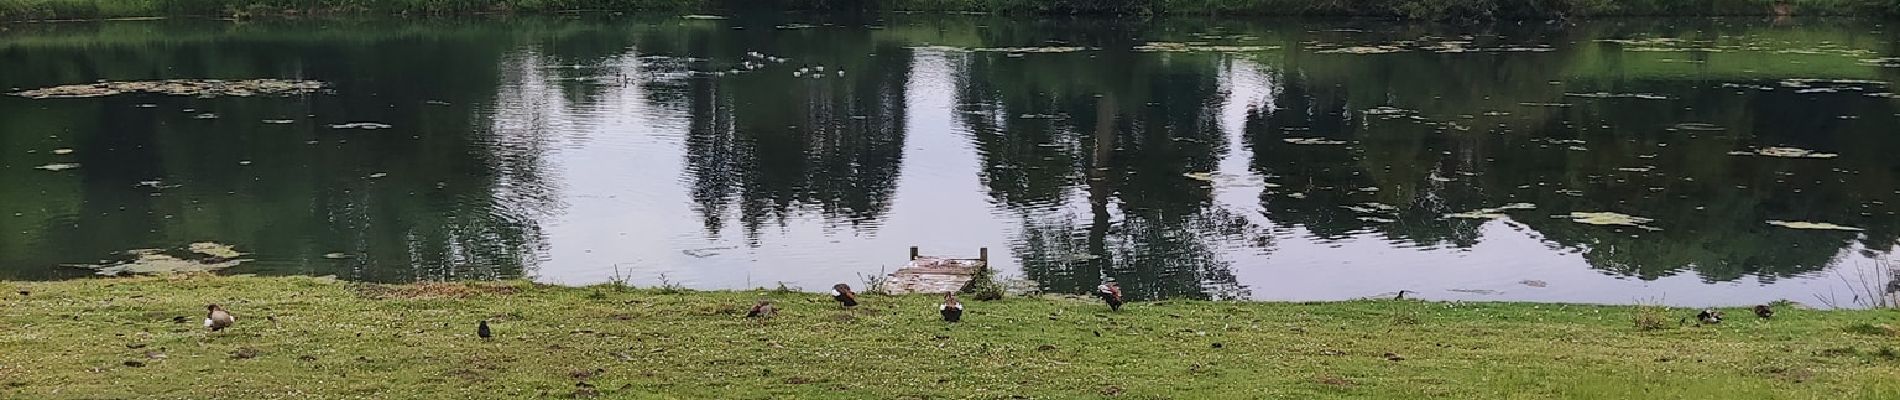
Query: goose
pixel 951 309
pixel 216 319
pixel 1111 293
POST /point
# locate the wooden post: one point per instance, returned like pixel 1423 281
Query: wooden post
pixel 983 254
pixel 913 252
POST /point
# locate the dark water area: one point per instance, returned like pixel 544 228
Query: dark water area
pixel 1267 159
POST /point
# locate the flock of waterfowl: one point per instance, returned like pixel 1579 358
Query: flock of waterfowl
pixel 217 319
pixel 951 310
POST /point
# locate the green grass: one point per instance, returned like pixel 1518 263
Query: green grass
pixel 317 338
pixel 1456 10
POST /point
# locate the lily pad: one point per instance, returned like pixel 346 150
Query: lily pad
pixel 1605 218
pixel 1811 225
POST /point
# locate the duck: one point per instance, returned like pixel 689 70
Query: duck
pixel 1111 293
pixel 482 331
pixel 842 293
pixel 761 310
pixel 1709 316
pixel 1764 312
pixel 216 319
pixel 951 309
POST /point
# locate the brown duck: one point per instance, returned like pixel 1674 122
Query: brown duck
pixel 216 319
pixel 842 293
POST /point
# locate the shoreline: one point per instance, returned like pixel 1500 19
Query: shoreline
pixel 117 337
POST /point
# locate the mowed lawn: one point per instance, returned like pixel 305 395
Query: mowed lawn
pixel 318 338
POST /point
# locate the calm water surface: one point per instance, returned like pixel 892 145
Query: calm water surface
pixel 575 150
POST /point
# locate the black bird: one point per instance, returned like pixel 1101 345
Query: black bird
pixel 951 309
pixel 1110 293
pixel 482 331
pixel 1709 316
pixel 1764 312
pixel 842 293
pixel 761 310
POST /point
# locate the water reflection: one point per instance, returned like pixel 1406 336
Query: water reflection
pixel 752 151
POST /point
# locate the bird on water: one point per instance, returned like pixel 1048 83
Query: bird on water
pixel 1111 293
pixel 216 319
pixel 842 293
pixel 951 309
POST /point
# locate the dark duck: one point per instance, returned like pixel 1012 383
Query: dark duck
pixel 1709 316
pixel 951 309
pixel 1111 293
pixel 482 331
pixel 761 310
pixel 1764 312
pixel 842 293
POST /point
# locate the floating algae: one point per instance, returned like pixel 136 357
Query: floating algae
pixel 215 250
pixel 1605 218
pixel 1492 213
pixel 1811 225
pixel 1313 141
pixel 1177 47
pixel 1783 152
pixel 58 166
pixel 178 87
pixel 361 125
pixel 1608 95
pixel 198 257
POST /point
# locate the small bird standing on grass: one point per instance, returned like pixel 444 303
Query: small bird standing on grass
pixel 1111 293
pixel 1764 312
pixel 482 331
pixel 761 310
pixel 951 309
pixel 842 293
pixel 216 319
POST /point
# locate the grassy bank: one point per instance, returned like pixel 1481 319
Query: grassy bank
pixel 316 338
pixel 1456 10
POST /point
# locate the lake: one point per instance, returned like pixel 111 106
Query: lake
pixel 1274 159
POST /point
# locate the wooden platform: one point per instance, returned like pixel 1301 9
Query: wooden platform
pixel 935 274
